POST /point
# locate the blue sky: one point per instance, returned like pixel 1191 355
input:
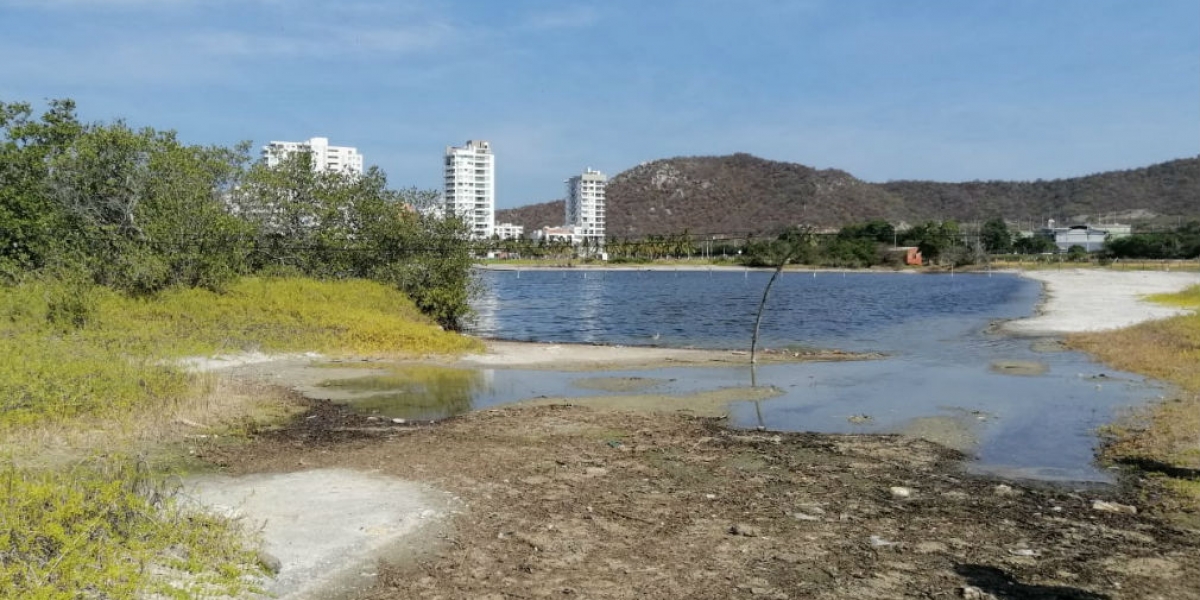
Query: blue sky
pixel 946 90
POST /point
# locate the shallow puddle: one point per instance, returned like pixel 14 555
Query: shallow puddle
pixel 1037 426
pixel 1019 406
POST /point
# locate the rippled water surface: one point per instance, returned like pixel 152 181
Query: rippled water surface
pixel 939 373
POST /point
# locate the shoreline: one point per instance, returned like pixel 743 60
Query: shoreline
pixel 559 356
pixel 667 268
pixel 1089 300
pixel 598 433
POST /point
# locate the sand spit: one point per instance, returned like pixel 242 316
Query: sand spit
pixel 1096 300
pixel 584 357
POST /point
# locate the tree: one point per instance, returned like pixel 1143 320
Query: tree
pixel 996 237
pixel 31 223
pixel 937 241
pixel 1034 244
pixel 877 230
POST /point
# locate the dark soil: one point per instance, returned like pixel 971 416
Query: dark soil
pixel 566 502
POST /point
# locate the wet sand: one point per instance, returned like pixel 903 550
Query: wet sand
pixel 584 357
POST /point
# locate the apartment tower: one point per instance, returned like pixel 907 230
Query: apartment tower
pixel 470 191
pixel 585 206
pixel 344 159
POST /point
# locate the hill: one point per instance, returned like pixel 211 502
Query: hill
pixel 1170 188
pixel 743 194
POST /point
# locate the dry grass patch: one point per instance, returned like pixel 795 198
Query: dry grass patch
pixel 217 406
pixel 1165 435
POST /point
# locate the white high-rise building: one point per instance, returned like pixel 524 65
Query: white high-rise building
pixel 470 191
pixel 345 159
pixel 585 205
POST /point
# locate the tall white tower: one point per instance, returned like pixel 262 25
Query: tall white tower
pixel 470 191
pixel 345 159
pixel 585 205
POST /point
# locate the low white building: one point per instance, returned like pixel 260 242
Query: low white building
pixel 565 233
pixel 1090 238
pixel 325 157
pixel 509 231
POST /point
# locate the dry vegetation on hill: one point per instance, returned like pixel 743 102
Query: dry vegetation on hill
pixel 742 194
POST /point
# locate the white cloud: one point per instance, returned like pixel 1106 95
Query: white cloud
pixel 568 18
pixel 326 42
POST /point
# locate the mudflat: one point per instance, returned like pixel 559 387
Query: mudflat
pixel 604 498
pixel 568 501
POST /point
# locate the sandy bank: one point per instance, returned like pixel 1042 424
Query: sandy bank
pixel 1096 300
pixel 326 527
pixel 583 357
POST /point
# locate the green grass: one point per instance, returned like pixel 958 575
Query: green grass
pixel 101 529
pixel 1189 298
pixel 81 359
pixel 69 350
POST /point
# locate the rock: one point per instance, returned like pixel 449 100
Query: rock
pixel 812 509
pixel 878 542
pixel 269 562
pixel 931 548
pixel 399 421
pixel 901 492
pixel 1023 552
pixel 1005 490
pixel 1113 507
pixel 745 530
pixel 805 517
pixel 971 592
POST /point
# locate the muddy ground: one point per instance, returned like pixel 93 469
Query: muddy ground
pixel 572 502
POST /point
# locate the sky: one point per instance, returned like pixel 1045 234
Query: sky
pixel 947 90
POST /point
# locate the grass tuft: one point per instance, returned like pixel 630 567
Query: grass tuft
pixel 109 528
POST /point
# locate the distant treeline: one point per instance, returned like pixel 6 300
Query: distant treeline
pixel 1180 243
pixel 860 245
pixel 139 211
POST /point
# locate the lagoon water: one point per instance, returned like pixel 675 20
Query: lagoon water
pixel 938 378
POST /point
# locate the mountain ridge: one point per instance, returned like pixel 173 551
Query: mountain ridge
pixel 742 194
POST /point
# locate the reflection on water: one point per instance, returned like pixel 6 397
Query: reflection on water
pixel 1018 409
pixel 1042 408
pixel 414 392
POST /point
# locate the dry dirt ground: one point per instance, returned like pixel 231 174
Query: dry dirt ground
pixel 571 502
